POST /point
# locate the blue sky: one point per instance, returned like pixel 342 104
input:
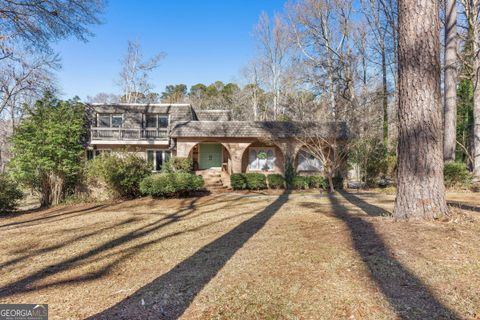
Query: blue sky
pixel 205 40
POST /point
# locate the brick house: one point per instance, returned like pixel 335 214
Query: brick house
pixel 209 137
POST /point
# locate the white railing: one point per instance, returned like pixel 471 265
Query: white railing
pixel 128 134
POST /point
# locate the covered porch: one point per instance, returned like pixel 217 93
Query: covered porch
pixel 236 155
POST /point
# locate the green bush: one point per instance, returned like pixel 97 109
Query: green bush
pixel 317 182
pixel 178 164
pixel 238 181
pixel 289 174
pixel 371 157
pixel 275 181
pixel 256 181
pixel 9 193
pixel 391 166
pixel 456 174
pixel 300 182
pixel 121 174
pixel 47 148
pixel 170 184
pixel 337 182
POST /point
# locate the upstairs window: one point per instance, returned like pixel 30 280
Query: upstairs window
pixel 110 120
pixel 153 120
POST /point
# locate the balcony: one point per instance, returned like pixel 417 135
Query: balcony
pixel 128 136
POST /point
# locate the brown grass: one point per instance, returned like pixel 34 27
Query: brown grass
pixel 244 256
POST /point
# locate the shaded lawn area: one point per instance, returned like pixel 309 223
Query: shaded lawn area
pixel 242 256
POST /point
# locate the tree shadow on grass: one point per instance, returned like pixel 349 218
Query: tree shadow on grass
pixel 464 206
pixel 168 296
pixel 405 292
pixel 366 207
pixel 54 217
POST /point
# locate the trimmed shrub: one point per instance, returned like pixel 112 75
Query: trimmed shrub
pixel 289 174
pixel 275 181
pixel 9 194
pixel 317 182
pixel 456 174
pixel 300 182
pixel 178 164
pixel 256 181
pixel 170 184
pixel 238 181
pixel 121 174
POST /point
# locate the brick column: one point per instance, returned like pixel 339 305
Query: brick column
pixel 289 149
pixel 184 148
pixel 236 150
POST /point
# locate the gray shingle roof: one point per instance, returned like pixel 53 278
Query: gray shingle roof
pixel 255 129
pixel 213 115
pixel 177 111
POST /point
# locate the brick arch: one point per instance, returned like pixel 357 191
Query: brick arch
pixel 279 155
pixel 295 159
pixel 184 149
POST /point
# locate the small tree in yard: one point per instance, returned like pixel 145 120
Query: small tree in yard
pixel 370 156
pixel 48 146
pixel 327 148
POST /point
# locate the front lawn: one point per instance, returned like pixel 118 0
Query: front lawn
pixel 243 256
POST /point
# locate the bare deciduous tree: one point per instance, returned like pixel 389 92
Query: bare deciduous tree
pixel 252 90
pixel 325 146
pixel 23 79
pixel 274 47
pixel 377 19
pixel 134 78
pixel 103 97
pixel 322 32
pixel 38 23
pixel 472 15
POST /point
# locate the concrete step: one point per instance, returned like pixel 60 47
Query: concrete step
pixel 212 179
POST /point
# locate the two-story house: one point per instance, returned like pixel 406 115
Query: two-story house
pixel 209 137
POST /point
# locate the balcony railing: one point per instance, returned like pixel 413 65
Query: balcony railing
pixel 128 134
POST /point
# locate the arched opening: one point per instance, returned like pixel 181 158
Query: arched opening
pixel 261 157
pixel 210 155
pixel 306 162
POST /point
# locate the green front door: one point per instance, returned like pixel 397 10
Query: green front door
pixel 210 155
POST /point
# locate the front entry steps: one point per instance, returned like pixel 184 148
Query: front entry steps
pixel 212 179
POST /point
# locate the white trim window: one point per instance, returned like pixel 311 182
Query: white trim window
pixel 308 162
pixel 155 120
pixel 261 158
pixel 110 120
pixel 157 158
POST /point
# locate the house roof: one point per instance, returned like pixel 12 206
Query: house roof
pixel 213 115
pixel 256 129
pixel 177 111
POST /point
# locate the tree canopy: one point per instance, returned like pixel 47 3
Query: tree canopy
pixel 48 146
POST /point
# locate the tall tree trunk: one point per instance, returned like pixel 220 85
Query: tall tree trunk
pixel 420 189
pixel 385 94
pixel 450 84
pixel 476 101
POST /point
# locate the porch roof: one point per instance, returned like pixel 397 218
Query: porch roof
pixel 257 129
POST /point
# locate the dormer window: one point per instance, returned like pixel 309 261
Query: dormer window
pixel 107 120
pixel 153 120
